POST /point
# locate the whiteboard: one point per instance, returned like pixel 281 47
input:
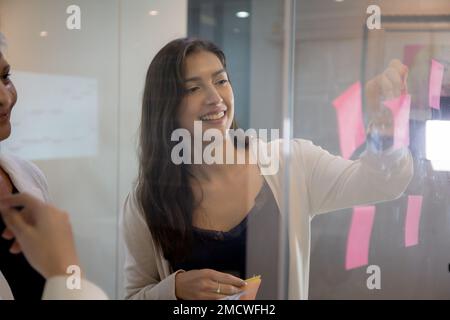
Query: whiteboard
pixel 55 117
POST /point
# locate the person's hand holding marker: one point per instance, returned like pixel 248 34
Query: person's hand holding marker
pixel 390 84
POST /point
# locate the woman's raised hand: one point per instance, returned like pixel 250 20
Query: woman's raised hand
pixel 390 84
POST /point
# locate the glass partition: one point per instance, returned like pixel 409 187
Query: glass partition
pixel 402 242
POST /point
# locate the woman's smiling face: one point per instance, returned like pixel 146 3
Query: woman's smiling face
pixel 209 95
pixel 8 98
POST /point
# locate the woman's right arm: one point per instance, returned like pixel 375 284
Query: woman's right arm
pixel 142 280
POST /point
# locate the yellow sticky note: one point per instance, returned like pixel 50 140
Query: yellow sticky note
pixel 251 289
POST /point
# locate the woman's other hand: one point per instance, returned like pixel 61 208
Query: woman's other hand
pixel 42 231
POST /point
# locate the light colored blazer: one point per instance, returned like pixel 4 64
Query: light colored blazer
pixel 27 178
pixel 319 183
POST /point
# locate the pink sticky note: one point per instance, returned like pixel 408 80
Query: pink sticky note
pixel 400 108
pixel 412 220
pixel 358 241
pixel 350 121
pixel 436 78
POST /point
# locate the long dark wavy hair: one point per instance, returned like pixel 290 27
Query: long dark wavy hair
pixel 163 188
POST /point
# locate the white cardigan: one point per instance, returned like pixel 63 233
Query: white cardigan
pixel 319 182
pixel 27 177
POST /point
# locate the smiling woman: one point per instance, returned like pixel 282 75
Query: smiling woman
pixel 8 98
pixel 196 230
pixel 16 175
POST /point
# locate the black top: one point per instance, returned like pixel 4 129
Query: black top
pixel 24 281
pixel 250 248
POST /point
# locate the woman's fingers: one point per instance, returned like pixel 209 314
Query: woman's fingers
pixel 402 71
pixel 226 278
pixel 224 284
pixel 15 248
pixel 229 290
pixel 7 234
pixel 13 220
pixel 206 284
pixel 396 81
pixel 387 87
pixel 19 200
pixel 223 289
pixel 400 67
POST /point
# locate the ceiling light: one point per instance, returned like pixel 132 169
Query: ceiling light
pixel 242 14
